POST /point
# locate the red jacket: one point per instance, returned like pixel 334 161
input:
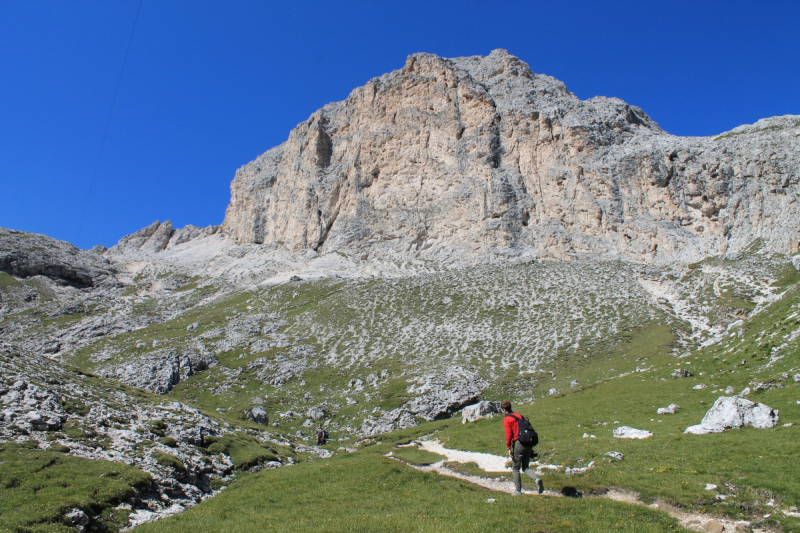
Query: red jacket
pixel 511 424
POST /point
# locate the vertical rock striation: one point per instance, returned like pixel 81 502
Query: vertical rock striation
pixel 477 158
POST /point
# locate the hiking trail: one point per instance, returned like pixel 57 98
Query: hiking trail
pixel 495 463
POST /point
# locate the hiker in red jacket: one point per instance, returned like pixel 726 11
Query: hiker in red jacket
pixel 520 454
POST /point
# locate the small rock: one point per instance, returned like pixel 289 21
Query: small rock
pixel 587 436
pixel 258 415
pixel 745 392
pixel 669 410
pixel 700 386
pixel 788 425
pixel 729 390
pixel 574 383
pixel 316 413
pixel 76 518
pixel 551 392
pixel 490 500
pixel 295 278
pixel 193 326
pixel 627 432
pixel 712 526
pixel 615 456
pixel 710 486
pixel 681 373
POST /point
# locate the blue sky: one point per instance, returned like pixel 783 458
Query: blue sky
pixel 208 86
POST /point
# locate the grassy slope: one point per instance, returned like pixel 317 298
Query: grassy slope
pixel 369 492
pixel 37 487
pixel 751 467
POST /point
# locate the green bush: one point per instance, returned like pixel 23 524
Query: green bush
pixel 168 441
pixel 157 427
pixel 75 407
pixel 169 460
pixel 58 448
pixel 244 450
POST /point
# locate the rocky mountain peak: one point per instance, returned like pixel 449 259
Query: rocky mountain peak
pixel 478 158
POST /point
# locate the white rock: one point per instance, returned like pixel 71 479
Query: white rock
pixel 729 390
pixel 711 486
pixel 316 413
pixel 745 392
pixel 76 517
pixel 700 386
pixel 615 456
pixel 669 410
pixel 587 436
pixel 735 412
pixel 480 410
pixel 627 432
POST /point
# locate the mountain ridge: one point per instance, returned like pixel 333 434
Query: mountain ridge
pixel 479 157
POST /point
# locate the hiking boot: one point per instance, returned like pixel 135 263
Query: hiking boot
pixel 516 493
pixel 540 485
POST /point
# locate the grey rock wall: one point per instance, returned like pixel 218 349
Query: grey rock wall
pixel 479 158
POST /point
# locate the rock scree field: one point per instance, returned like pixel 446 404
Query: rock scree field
pixel 457 231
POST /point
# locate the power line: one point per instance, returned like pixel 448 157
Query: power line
pixel 108 122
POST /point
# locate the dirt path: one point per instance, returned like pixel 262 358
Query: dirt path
pixel 495 463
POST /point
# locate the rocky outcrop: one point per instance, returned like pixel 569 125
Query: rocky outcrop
pixel 293 362
pixel 479 157
pixel 48 406
pixel 479 411
pixel 437 395
pixel 157 237
pixel 30 408
pixel 735 412
pixel 160 372
pixel 26 255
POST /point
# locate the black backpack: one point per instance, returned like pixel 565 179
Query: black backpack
pixel 526 435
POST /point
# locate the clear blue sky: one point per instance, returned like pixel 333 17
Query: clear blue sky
pixel 208 86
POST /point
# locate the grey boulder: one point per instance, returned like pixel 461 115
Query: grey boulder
pixel 258 415
pixel 480 410
pixel 735 412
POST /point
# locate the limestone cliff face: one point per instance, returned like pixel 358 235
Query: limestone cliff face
pixel 475 158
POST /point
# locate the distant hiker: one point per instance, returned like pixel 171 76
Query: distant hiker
pixel 322 437
pixel 520 446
